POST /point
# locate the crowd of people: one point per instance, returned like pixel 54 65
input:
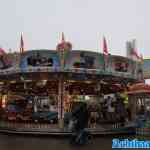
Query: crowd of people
pixel 144 111
pixel 116 109
pixel 107 110
pixel 88 115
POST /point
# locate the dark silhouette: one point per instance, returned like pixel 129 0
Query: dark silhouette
pixel 80 115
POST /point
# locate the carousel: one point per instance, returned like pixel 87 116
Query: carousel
pixel 40 88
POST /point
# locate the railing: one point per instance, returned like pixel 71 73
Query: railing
pixel 74 70
pixel 29 69
pixel 27 125
pixel 48 126
pixel 41 69
pixel 82 70
pixel 9 71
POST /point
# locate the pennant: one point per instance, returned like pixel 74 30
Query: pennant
pixel 134 52
pixel 21 44
pixel 105 53
pixel 105 50
pixel 141 58
pixel 62 37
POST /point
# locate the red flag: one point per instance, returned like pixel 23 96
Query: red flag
pixel 134 51
pixel 141 58
pixel 105 50
pixel 105 53
pixel 63 38
pixel 21 44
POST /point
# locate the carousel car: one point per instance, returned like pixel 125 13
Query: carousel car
pixel 24 117
pixel 26 114
pixel 12 116
pixel 12 111
pixel 45 116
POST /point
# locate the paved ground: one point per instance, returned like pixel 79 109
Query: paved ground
pixel 13 142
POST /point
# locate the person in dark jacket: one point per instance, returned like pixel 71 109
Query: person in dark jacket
pixel 80 115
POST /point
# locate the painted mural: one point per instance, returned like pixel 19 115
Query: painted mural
pixel 122 64
pixel 146 68
pixel 119 64
pixel 83 60
pixel 4 62
pixel 73 61
pixel 9 62
pixel 39 59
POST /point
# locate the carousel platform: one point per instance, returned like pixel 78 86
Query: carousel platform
pixel 54 130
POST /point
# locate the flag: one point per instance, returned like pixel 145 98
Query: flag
pixel 141 58
pixel 62 37
pixel 134 52
pixel 21 44
pixel 105 50
pixel 62 48
pixel 105 53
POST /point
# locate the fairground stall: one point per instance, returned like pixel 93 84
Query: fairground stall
pixel 43 86
pixel 139 98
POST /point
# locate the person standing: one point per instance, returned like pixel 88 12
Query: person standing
pixel 80 117
pixel 147 113
pixel 80 114
pixel 93 110
pixel 111 111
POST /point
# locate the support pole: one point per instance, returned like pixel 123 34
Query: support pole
pixel 60 103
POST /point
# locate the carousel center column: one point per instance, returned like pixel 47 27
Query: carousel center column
pixel 61 91
pixel 62 48
pixel 61 102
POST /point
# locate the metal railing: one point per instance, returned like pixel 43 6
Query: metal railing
pixel 73 70
pixel 27 125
